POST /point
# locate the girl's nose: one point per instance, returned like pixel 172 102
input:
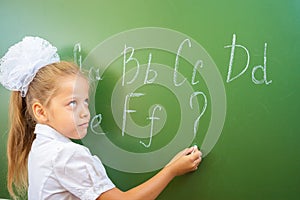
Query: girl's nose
pixel 84 114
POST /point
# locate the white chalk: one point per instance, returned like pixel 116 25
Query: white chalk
pixel 194 148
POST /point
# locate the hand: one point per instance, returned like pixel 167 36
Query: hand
pixel 185 161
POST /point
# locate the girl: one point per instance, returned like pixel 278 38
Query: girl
pixel 48 107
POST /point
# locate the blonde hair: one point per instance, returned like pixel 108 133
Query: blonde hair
pixel 22 123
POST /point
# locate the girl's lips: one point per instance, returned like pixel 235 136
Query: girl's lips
pixel 85 125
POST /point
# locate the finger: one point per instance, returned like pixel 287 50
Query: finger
pixel 199 160
pixel 196 163
pixel 189 150
pixel 196 155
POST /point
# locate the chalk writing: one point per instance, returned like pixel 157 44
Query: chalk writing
pixel 77 55
pixel 131 50
pixel 95 122
pixel 148 74
pixel 147 81
pixel 200 64
pixel 263 68
pixel 177 62
pixel 152 118
pixel 233 45
pixel 125 61
pixel 128 96
pixel 196 123
pixel 149 77
pixel 94 74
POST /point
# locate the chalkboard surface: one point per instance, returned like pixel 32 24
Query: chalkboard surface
pixel 170 74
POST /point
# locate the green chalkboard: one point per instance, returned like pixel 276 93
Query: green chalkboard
pixel 171 74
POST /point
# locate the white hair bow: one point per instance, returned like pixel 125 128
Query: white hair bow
pixel 23 60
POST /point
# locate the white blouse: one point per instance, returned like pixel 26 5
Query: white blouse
pixel 61 169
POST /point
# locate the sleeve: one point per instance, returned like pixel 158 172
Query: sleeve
pixel 80 173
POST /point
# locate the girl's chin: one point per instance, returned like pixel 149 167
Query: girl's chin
pixel 79 135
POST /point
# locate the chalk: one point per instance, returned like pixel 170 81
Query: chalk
pixel 194 148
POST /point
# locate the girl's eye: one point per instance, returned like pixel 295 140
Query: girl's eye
pixel 86 101
pixel 72 103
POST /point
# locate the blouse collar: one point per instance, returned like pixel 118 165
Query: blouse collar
pixel 49 132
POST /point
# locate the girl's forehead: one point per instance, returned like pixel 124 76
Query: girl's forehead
pixel 73 78
pixel 73 83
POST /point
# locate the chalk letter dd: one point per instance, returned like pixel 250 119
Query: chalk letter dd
pixel 263 68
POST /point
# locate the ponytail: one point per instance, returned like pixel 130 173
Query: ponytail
pixel 19 142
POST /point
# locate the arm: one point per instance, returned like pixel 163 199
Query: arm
pixel 183 162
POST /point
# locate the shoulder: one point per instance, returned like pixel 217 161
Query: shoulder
pixel 70 152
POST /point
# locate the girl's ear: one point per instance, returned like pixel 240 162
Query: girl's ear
pixel 39 112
